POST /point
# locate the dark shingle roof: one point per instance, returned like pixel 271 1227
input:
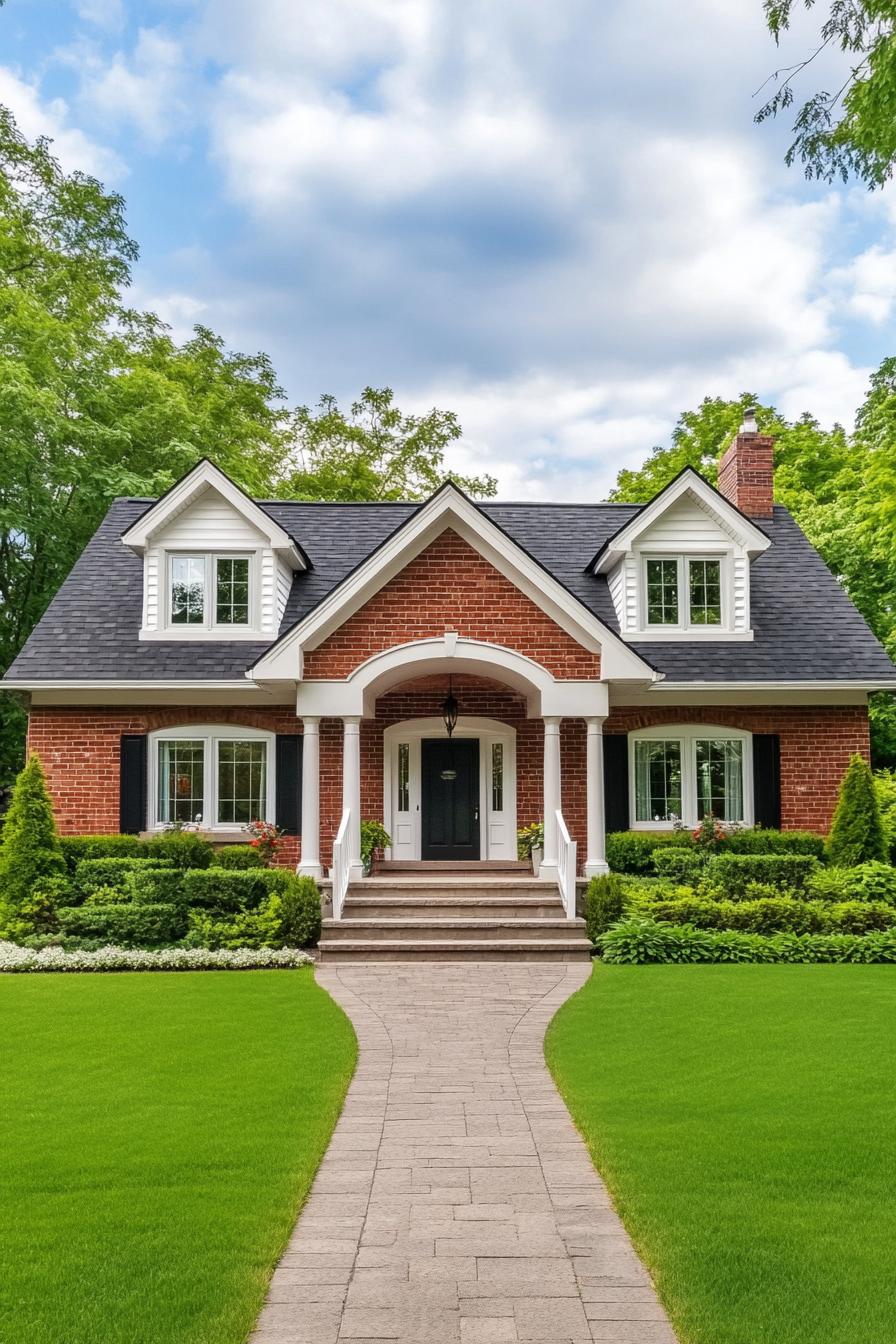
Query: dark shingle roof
pixel 806 628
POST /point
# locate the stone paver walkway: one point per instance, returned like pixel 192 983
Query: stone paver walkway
pixel 456 1201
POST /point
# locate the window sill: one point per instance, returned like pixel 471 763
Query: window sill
pixel 222 837
pixel 693 634
pixel 226 634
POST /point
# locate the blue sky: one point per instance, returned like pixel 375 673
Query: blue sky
pixel 558 220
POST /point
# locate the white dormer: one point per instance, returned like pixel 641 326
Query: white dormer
pixel 215 565
pixel 680 569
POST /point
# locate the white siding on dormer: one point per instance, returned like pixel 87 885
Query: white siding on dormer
pixel 685 524
pixel 210 523
pixel 282 591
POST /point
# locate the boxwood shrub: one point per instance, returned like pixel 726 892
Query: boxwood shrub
pixel 109 872
pixel 237 856
pixel 126 925
pixel 150 885
pixel 604 903
pixel 638 941
pixel 680 865
pixel 734 872
pixel 78 847
pixel 776 915
pixel 183 849
pixel 223 890
pixel 632 851
pixel 758 840
pixel 289 916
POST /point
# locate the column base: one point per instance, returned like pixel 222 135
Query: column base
pixel 549 872
pixel 310 870
pixel 599 869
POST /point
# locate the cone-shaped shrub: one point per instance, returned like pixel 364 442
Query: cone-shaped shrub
pixel 30 853
pixel 857 834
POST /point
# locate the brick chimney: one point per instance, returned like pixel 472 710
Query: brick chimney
pixel 746 471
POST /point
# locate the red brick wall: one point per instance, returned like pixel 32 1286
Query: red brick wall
pixel 816 744
pixel 79 749
pixel 450 586
pixel 746 474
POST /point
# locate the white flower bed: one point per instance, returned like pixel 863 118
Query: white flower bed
pixel 14 958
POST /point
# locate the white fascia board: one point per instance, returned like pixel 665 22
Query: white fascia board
pixel 694 634
pixel 206 476
pixel 450 509
pixel 751 538
pixel 108 692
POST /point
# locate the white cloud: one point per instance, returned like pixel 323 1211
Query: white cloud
pixel 866 286
pixel 36 116
pixel 144 89
pixel 107 14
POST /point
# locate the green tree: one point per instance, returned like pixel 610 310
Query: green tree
pixel 374 452
pixel 857 835
pixel 30 854
pixel 849 129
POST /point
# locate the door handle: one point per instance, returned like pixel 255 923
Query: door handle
pixel 475 813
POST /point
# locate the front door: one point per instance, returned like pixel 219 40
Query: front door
pixel 449 798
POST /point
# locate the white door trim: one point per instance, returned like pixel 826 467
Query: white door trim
pixel 497 829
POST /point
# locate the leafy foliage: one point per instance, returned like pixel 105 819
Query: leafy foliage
pixel 604 904
pixel 850 130
pixel 733 873
pixel 128 925
pixel 183 849
pixel 375 452
pixel 30 853
pixel 632 851
pixel 373 836
pixel 857 835
pixel 638 941
pixel 238 857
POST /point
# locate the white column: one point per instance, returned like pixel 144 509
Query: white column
pixel 551 796
pixel 309 863
pixel 596 860
pixel 351 789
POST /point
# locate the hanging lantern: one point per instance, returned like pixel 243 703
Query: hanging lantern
pixel 449 711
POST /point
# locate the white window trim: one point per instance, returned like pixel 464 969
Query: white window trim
pixel 210 628
pixel 488 731
pixel 684 626
pixel 210 735
pixel 689 735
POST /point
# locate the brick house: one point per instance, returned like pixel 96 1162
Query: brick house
pixel 213 658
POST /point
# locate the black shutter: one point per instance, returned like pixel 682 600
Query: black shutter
pixel 132 784
pixel 616 781
pixel 767 780
pixel 289 782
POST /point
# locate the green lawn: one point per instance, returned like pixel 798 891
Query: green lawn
pixel 744 1119
pixel 158 1133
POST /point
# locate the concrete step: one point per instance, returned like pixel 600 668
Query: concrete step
pixel 468 887
pixel 362 950
pixel 393 866
pixel 447 906
pixel 458 930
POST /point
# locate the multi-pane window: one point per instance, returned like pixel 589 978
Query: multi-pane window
pixel 686 773
pixel 232 590
pixel 242 783
pixel 683 591
pixel 404 777
pixel 217 776
pixel 181 774
pixel 209 591
pixel 705 592
pixel 187 590
pixel 497 776
pixel 662 592
pixel 720 775
pixel 658 780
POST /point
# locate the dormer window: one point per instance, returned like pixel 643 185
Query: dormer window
pixel 210 591
pixel 682 591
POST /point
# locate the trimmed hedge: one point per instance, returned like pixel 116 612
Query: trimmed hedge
pixel 109 872
pixel 679 865
pixel 758 840
pixel 289 916
pixel 184 849
pixel 75 848
pixel 221 889
pixel 783 914
pixel 632 851
pixel 734 872
pixel 642 941
pixel 129 925
pixel 149 885
pixel 237 857
pixel 604 903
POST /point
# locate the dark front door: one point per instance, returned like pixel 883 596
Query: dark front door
pixel 450 798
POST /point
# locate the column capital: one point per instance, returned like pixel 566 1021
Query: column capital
pixel 595 723
pixel 351 722
pixel 551 723
pixel 311 722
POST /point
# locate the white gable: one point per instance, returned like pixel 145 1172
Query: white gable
pixel 688 519
pixel 208 522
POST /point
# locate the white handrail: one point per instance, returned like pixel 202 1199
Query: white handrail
pixel 341 870
pixel 566 866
